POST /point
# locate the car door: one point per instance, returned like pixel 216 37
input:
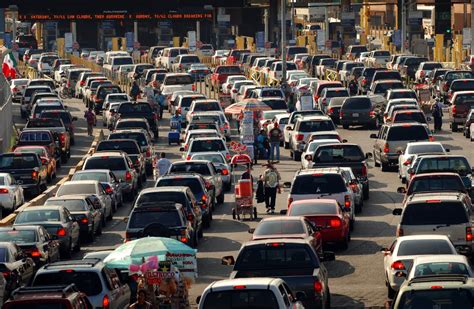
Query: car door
pixel 50 245
pixel 105 198
pixel 93 213
pixel 71 225
pixel 218 179
pixel 379 141
pixel 116 186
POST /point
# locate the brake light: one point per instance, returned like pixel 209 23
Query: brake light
pixel 190 217
pixel 35 253
pixel 347 201
pixel 454 109
pixel 229 86
pixel 4 191
pixel 431 138
pixel 188 158
pixel 226 126
pixel 128 176
pixel 225 172
pixel 155 116
pixel 330 110
pixel 6 274
pixel 299 137
pixel 34 174
pixel 193 88
pixel 469 234
pixel 227 156
pixel 340 114
pixel 105 302
pixel 82 83
pixel 239 287
pixel 318 287
pixel 15 90
pixel 108 190
pixel 364 81
pixel 61 232
pixel 407 162
pixel 85 220
pixel 335 223
pixel 386 148
pixel 363 172
pixel 398 265
pixel 184 239
pixel 435 287
pixel 445 86
pixel 290 200
pixel 62 138
pixel 372 114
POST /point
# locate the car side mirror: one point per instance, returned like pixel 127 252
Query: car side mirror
pixel 402 190
pixel 301 296
pixel 286 184
pixel 328 256
pixel 289 128
pixel 397 212
pixel 228 260
pixel 283 211
pixel 308 157
pixel 344 141
pixel 410 171
pixel 385 251
pixel 448 150
pixel 373 135
pixel 368 155
pixel 251 230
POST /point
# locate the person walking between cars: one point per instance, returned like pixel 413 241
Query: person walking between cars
pixel 162 165
pixel 90 118
pixel 134 91
pixel 160 101
pixel 271 183
pixel 353 86
pixel 437 113
pixel 274 136
pixel 261 144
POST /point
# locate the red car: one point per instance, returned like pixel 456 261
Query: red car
pixel 221 73
pixel 329 216
pixel 46 158
pixel 289 227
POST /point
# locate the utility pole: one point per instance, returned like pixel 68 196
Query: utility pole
pixel 265 21
pixel 472 27
pixel 283 41
pixel 404 26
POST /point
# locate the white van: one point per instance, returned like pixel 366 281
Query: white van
pixel 117 61
pixel 177 81
pixel 169 56
pixel 110 54
pixel 45 63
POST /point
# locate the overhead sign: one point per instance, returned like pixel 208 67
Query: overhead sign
pixel 119 16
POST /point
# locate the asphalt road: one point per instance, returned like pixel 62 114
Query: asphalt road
pixel 356 276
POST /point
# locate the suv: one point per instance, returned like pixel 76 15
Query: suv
pixel 59 130
pixel 446 213
pixel 101 284
pixel 303 127
pixel 449 77
pixel 55 296
pixel 206 144
pixel 121 165
pixel 358 110
pixel 392 139
pixel 163 220
pixel 322 183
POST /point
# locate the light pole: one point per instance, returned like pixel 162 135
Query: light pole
pixel 472 27
pixel 283 41
pixel 13 9
pixel 404 26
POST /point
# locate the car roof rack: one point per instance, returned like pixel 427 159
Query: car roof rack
pixel 63 289
pixel 437 278
pixel 85 262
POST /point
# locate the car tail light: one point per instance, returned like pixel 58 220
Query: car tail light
pixel 372 114
pixel 469 234
pixel 290 200
pixel 85 220
pixel 386 148
pixel 225 172
pixel 335 222
pixel 364 82
pixel 226 126
pixel 204 197
pixel 188 157
pixel 229 86
pixel 183 239
pixel 347 201
pixel 363 172
pixel 82 83
pixel 61 232
pixel 62 139
pixel 407 162
pixel 316 97
pixel 330 110
pixel 185 147
pixel 318 287
pixel 239 287
pixel 15 90
pixel 128 176
pixel 68 83
pixel 34 174
pixel 398 265
pixel 193 88
pixel 454 109
pixel 155 116
pixel 109 189
pixel 353 187
pixel 6 274
pixel 227 156
pixel 35 253
pixel 190 217
pixel 234 90
pixel 399 232
pixel 450 94
pixel 340 114
pixel 299 137
pixel 105 302
pixel 4 191
pixel 431 138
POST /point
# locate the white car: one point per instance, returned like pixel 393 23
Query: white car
pixel 282 120
pixel 220 163
pixel 378 58
pixel 234 91
pixel 17 87
pixel 311 147
pixel 406 158
pixel 109 113
pixel 11 193
pixel 59 73
pixel 206 144
pixel 203 105
pixel 448 264
pixel 213 117
pixel 267 117
pixel 230 81
pixel 254 292
pixel 363 57
pixel 399 256
pixel 192 134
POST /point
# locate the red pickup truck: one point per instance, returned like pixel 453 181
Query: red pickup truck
pixel 220 74
pixel 234 55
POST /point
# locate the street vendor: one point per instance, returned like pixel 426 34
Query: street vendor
pixel 141 302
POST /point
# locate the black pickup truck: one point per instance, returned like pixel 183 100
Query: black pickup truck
pixel 139 110
pixel 343 155
pixel 59 130
pixel 292 260
pixel 37 137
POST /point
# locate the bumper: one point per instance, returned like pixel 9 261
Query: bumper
pixel 333 235
pixel 85 229
pixel 458 120
pixel 6 202
pixel 390 158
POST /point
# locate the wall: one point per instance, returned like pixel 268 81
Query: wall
pixel 6 119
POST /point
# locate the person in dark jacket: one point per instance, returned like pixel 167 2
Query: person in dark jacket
pixel 134 91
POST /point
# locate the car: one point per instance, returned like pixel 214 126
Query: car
pixel 16 266
pixel 59 130
pixel 203 105
pixel 401 94
pixel 332 220
pixel 404 116
pixel 356 185
pixel 425 68
pixel 406 158
pixel 410 66
pixel 303 270
pixel 294 116
pixel 319 86
pixel 34 241
pixel 324 135
pixel 327 94
pixel 461 103
pixel 366 78
pixel 90 187
pixel 168 57
pixel 392 138
pixel 289 227
pixel 26 98
pixel 102 285
pixel 45 104
pixel 139 109
pixel 103 90
pixel 446 213
pixel 357 110
pixel 266 118
pixel 425 266
pixel 399 256
pixel 353 51
pixel 66 117
pixel 227 86
pixel 182 63
pixel 198 71
pixel 250 292
pixel 57 221
pixel 161 219
pixel 215 117
pixel 28 171
pixel 280 120
pixel 467 125
pixel 11 193
pixel 205 145
pixel 221 165
pixel 322 183
pixel 66 296
pixel 17 88
pixel 83 210
pixel 382 86
pixel 130 123
pixel 110 110
pixel 311 147
pixel 183 104
pixel 192 134
pixel 448 78
pixel 120 164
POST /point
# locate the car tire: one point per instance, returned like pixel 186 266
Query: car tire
pixel 366 192
pixel 286 145
pixel 77 247
pixel 220 198
pixel 227 187
pixel 91 236
pixel 206 222
pixel 383 166
pixel 358 207
pixel 344 245
pixel 67 254
pixel 351 225
pixel 391 293
pixel 200 233
pixel 454 127
pixel 64 157
pixel 345 126
pixel 99 230
pixel 297 156
pixel 376 164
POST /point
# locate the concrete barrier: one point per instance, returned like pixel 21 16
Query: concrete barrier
pixel 51 191
pixel 6 128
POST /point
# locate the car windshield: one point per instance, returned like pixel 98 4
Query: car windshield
pixel 207 145
pixel 318 184
pixel 200 168
pixel 440 268
pixel 444 164
pixel 141 219
pixel 76 188
pixel 434 213
pixel 41 215
pixel 316 208
pixel 87 282
pixel 18 236
pixel 192 183
pixel 214 158
pixel 465 99
pixel 407 132
pixel 99 176
pixel 316 125
pixel 426 184
pixel 424 247
pixel 458 298
pixel 338 153
pixel 245 298
pixel 178 80
pixel 22 161
pixel 382 88
pixel 129 147
pixel 279 227
pixel 113 164
pixel 71 205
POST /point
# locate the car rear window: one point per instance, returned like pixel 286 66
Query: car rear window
pixel 381 53
pixel 465 99
pixel 122 60
pixel 228 70
pixel 431 66
pixel 407 132
pixel 86 281
pixel 382 88
pixel 65 117
pixel 135 108
pixel 424 247
pixel 207 106
pixel 207 145
pixel 279 227
pixel 245 298
pixel 113 164
pixel 409 116
pixel 192 183
pixel 131 125
pixel 140 138
pixel 434 213
pixel 318 208
pixel 383 75
pixel 318 184
pixel 178 80
pixel 18 236
pixel 266 93
pixel 104 91
pixel 186 101
pixel 338 153
pixel 127 146
pixel 357 103
pixel 427 184
pixel 200 168
pixel 71 205
pixel 358 49
pixel 18 161
pixel 153 197
pixel 402 95
pixel 276 257
pixel 462 85
pixel 437 298
pixel 141 219
pixel 276 104
pixel 41 215
pixel 34 136
pixel 44 123
pixel 316 125
pixel 99 176
pixel 336 93
pixel 76 188
pixel 458 165
pixel 450 76
pixel 190 59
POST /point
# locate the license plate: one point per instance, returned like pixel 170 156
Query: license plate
pixel 25 177
pixel 355 115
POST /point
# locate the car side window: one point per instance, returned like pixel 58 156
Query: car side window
pixel 284 295
pixel 67 215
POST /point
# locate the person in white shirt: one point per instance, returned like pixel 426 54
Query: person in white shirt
pixel 162 165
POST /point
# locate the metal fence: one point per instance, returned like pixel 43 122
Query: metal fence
pixel 6 118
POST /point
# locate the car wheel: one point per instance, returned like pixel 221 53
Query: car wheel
pixel 200 233
pixel 206 222
pixel 227 187
pixel 343 245
pixel 345 126
pixel 383 166
pixel 220 198
pixel 366 192
pixel 99 230
pixel 390 292
pixel 351 225
pixel 286 145
pixel 67 254
pixel 454 127
pixel 297 156
pixel 77 247
pixel 90 237
pixel 376 164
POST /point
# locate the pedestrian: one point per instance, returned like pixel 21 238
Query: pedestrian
pixel 260 193
pixel 260 146
pixel 149 93
pixel 176 121
pixel 353 86
pixel 141 302
pixel 274 136
pixel 437 113
pixel 271 183
pixel 90 118
pixel 161 101
pixel 162 165
pixel 134 91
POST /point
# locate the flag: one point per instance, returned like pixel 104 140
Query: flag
pixel 9 65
